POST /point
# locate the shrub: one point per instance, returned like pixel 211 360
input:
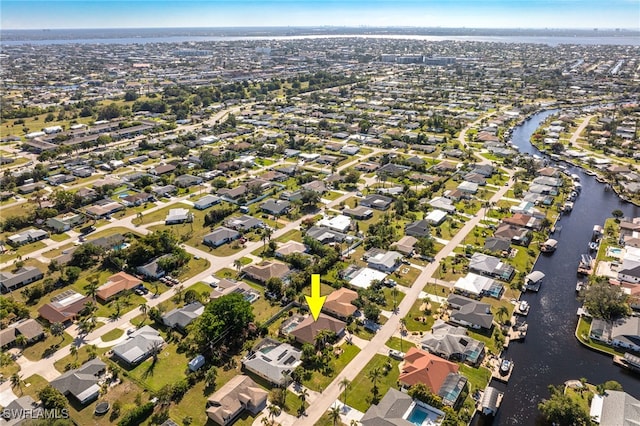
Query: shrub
pixel 137 415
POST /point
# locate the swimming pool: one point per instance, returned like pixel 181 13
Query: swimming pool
pixel 614 252
pixel 421 414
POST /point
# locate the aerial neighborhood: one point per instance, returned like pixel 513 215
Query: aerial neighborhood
pixel 164 207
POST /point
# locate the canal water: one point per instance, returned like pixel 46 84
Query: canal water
pixel 550 354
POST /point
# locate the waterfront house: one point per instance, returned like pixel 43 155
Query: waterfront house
pixel 453 343
pixel 399 409
pixel 469 312
pixel 615 408
pixel 436 373
pixel 491 266
pixel 517 235
pixel 477 286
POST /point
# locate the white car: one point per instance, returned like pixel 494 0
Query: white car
pixel 393 353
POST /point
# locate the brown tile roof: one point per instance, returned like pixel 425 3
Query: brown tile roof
pixel 265 270
pixel 422 367
pixel 308 329
pixel 62 312
pixel 339 302
pixel 117 283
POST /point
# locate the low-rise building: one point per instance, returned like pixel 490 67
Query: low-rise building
pixel 237 395
pixel 272 360
pixel 221 235
pixel 140 346
pixel 64 307
pixel 81 383
pixel 27 237
pixel 10 281
pixel 116 284
pixel 180 318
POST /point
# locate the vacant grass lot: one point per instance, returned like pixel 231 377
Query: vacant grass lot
pixel 319 381
pixel 417 320
pixel 169 368
pixel 360 396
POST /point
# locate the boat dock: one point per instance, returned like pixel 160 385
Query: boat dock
pixel 516 332
pixel 628 361
pixel 494 365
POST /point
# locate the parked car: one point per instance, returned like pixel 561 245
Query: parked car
pixel 393 353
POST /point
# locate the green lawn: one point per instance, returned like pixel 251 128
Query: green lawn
pixel 22 251
pixel 359 396
pixel 584 325
pixel 32 385
pixel 478 377
pixel 81 358
pixel 389 297
pixel 169 368
pixel 193 268
pixel 320 381
pixel 332 195
pixel 406 275
pixel 112 335
pixel 59 237
pixel 399 345
pixel 37 351
pixel 417 320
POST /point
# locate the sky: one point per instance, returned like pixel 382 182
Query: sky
pixel 36 14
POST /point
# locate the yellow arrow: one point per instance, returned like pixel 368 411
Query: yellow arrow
pixel 315 301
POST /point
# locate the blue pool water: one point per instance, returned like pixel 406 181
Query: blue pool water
pixel 417 416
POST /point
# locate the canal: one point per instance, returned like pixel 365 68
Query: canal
pixel 550 354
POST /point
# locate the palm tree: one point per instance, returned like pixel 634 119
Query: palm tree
pixel 210 377
pixel 178 291
pixel 144 308
pixel 92 287
pixel 238 265
pixel 73 350
pixel 266 237
pixel 16 381
pixel 21 340
pixel 334 415
pixel 286 377
pixel 501 312
pixel 344 384
pixel 304 394
pixel 92 351
pixel 274 411
pixel 374 375
pixel 57 329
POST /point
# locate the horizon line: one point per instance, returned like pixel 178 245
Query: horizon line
pixel 589 28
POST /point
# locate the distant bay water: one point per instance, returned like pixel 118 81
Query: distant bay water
pixel 10 38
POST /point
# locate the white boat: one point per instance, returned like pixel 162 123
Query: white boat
pixel 549 246
pixel 523 307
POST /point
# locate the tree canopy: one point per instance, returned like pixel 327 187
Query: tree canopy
pixel 606 301
pixel 561 410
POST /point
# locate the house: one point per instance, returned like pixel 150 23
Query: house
pixel 524 221
pixel 497 245
pixel 162 169
pixel 478 286
pixel 468 187
pixel 152 269
pixel 452 342
pixel 164 191
pixel 436 373
pixel 60 179
pixel 362 277
pixel 325 235
pixel 81 383
pixel 290 247
pixel 186 181
pixel 359 213
pixel 206 202
pixel 244 223
pixel 272 360
pixel 615 408
pixel 24 404
pixel 116 284
pixel 110 242
pixel 469 312
pixel 178 216
pixel 275 207
pixel 307 329
pixel 491 266
pixel 104 208
pixel 265 270
pixel 386 261
pixel 338 303
pixel 376 201
pixel 443 203
pixel 316 186
pixel 339 223
pixel 391 169
pixel 137 199
pixel 10 281
pixel 227 286
pixel 221 235
pixel 623 333
pixel 398 409
pixel 27 237
pixel 237 395
pixel 140 346
pixel 180 318
pixel 64 307
pixel 64 223
pixel 436 217
pixel 29 328
pixel 405 245
pixel 418 229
